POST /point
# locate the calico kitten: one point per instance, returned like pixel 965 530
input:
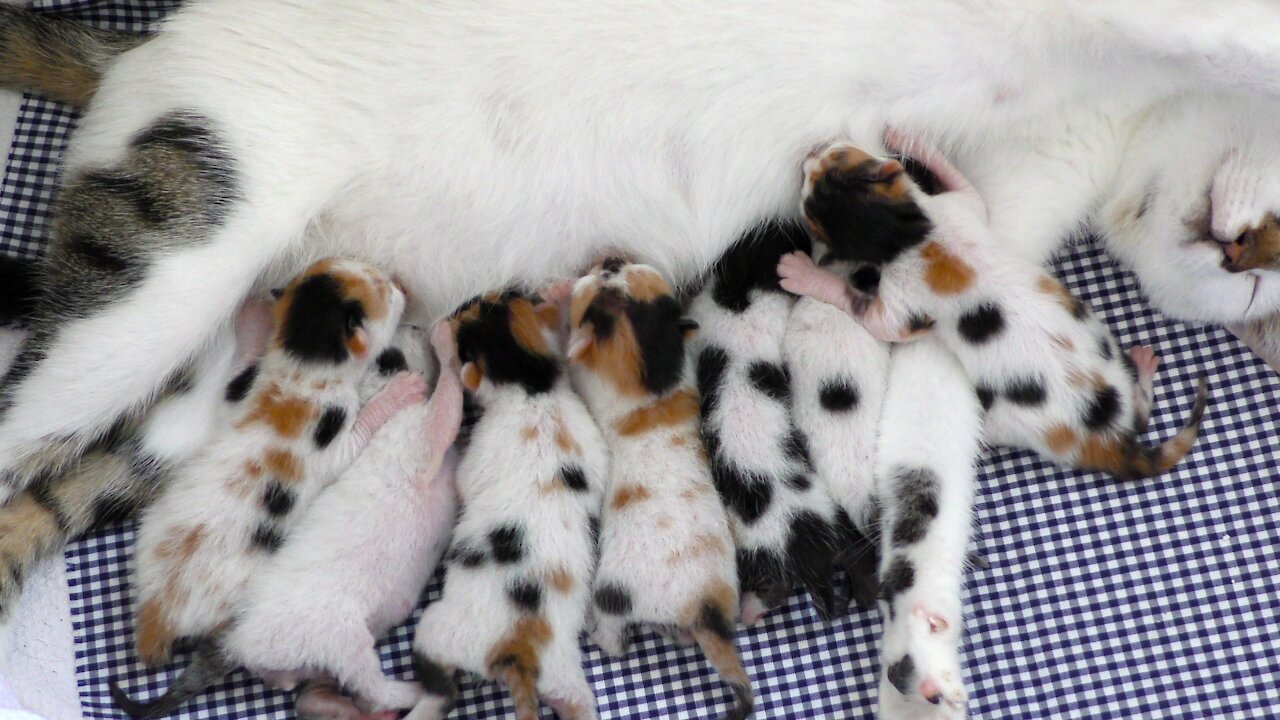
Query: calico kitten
pixel 227 511
pixel 784 523
pixel 518 572
pixel 124 471
pixel 1049 373
pixel 928 444
pixel 838 376
pixel 353 567
pixel 666 548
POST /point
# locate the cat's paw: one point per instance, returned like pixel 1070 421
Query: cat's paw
pixel 922 660
pixel 1145 360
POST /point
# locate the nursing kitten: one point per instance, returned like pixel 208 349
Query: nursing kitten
pixel 838 376
pixel 666 548
pixel 353 567
pixel 518 572
pixel 784 523
pixel 183 186
pixel 1049 373
pixel 125 470
pixel 927 450
pixel 228 510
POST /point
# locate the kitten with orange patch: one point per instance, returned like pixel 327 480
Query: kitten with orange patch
pixel 666 548
pixel 295 428
pixel 518 571
pixel 785 523
pixel 1049 373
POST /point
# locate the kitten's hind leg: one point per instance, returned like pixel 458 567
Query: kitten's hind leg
pixel 362 675
pixel 148 258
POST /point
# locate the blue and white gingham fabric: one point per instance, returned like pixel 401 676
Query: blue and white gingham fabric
pixel 1102 600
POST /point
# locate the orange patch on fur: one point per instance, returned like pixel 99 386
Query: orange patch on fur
pixel 62 76
pixel 1063 342
pixel 1061 439
pixel 521 648
pixel 676 409
pixel 562 580
pixel 945 273
pixel 701 545
pixel 564 439
pixel 154 635
pixel 1050 286
pixel 286 415
pixel 527 327
pixel 646 285
pixel 629 495
pixel 1102 453
pixel 284 465
pixel 530 433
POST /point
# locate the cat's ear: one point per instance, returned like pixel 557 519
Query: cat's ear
pixel 581 341
pixel 277 293
pixel 886 171
pixel 471 376
pixel 358 344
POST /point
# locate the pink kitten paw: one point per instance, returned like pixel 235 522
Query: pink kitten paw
pixel 443 342
pixel 557 293
pixel 753 609
pixel 1145 359
pixel 405 389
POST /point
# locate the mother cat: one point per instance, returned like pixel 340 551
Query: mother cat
pixel 470 144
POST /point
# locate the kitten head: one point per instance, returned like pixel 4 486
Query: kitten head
pixel 507 339
pixel 338 310
pixel 861 206
pixel 627 326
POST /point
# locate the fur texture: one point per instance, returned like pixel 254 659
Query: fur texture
pixel 1050 374
pixel 785 524
pixel 518 578
pixel 228 510
pixel 666 548
pixel 356 563
pixel 927 449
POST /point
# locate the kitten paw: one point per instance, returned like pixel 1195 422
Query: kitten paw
pixel 753 609
pixel 443 342
pixel 405 389
pixel 921 656
pixel 1146 360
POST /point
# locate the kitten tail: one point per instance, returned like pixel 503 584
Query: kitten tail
pixel 713 632
pixel 56 56
pixel 207 667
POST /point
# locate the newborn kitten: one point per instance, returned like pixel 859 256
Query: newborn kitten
pixel 1049 373
pixel 784 523
pixel 354 566
pixel 227 511
pixel 666 549
pixel 519 569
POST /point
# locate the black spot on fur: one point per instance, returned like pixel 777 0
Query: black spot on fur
pixel 712 362
pixel 133 190
pixel 897 579
pixel 771 379
pixel 800 481
pixel 839 395
pixel 329 426
pixel 391 361
pixel 751 264
pixel 919 322
pixel 526 595
pixel 899 674
pixel 861 225
pixel 99 256
pixel 508 543
pixel 865 279
pixel 320 321
pixel 471 414
pixel 466 556
pixel 111 509
pixel 239 386
pixel 613 265
pixel 917 490
pixel 745 496
pixel 659 330
pixel 811 549
pixel 859 555
pixel 267 537
pixel 277 499
pixel 434 678
pixel 1027 392
pixel 1079 309
pixel 1130 366
pixel 986 396
pixel 796 447
pixel 715 621
pixel 981 323
pixel 488 339
pixel 41 491
pixel 613 599
pixel 1105 351
pixel 19 289
pixel 574 478
pixel 593 527
pixel 1102 409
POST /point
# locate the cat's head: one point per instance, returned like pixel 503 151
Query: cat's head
pixel 861 206
pixel 507 340
pixel 628 329
pixel 338 310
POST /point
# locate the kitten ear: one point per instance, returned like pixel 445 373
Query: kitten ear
pixel 471 376
pixel 358 344
pixel 688 327
pixel 277 293
pixel 887 170
pixel 581 340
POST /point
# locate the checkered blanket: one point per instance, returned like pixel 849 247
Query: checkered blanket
pixel 1102 599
